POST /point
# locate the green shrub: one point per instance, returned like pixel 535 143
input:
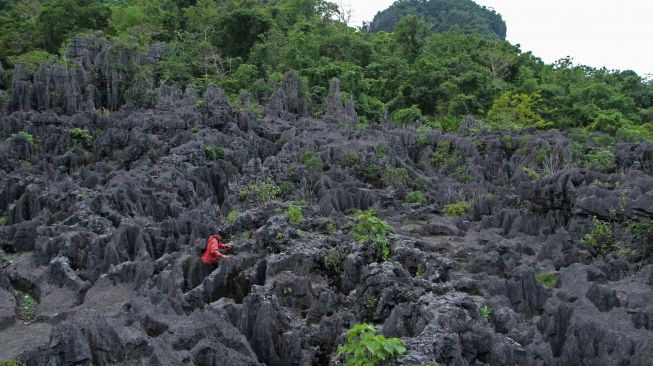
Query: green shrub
pixel 26 306
pixel 194 130
pixel 3 220
pixel 444 159
pixel 457 209
pixel 333 260
pixel 601 159
pixel 370 229
pixel 420 184
pixel 312 162
pixel 231 217
pixel 531 173
pixel 331 228
pixel 287 187
pixel 416 197
pixel 265 191
pixel 406 116
pixel 11 362
pixel 600 238
pixel 80 136
pixel 395 177
pixel 25 135
pixel 485 311
pixel 548 280
pixel 365 348
pixel 642 234
pixel 209 152
pixel 294 215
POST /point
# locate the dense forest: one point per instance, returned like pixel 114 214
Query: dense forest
pixel 442 15
pixel 412 75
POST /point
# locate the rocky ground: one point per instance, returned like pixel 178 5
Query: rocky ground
pixel 101 234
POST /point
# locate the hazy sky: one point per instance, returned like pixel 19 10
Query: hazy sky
pixel 610 33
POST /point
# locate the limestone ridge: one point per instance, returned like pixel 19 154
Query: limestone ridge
pixel 105 233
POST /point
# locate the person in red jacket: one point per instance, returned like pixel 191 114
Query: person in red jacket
pixel 212 252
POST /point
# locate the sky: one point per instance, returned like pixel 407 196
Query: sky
pixel 598 33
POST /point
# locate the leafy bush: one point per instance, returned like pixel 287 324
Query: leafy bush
pixel 602 159
pixel 457 209
pixel 416 197
pixel 312 162
pixel 209 152
pixel 420 184
pixel 406 116
pixel 26 306
pixel 548 280
pixel 395 177
pixel 514 111
pixel 25 135
pixel 601 238
pixel 531 173
pixel 442 157
pixel 231 217
pixel 265 191
pixel 370 229
pixel 32 59
pixel 333 260
pixel 364 347
pixel 642 234
pixel 294 215
pixel 11 362
pixel 80 136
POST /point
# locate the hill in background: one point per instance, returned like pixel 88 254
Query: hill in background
pixel 442 15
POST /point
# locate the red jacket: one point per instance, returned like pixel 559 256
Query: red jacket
pixel 212 252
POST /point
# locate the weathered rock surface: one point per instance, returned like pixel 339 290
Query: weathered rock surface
pixel 106 234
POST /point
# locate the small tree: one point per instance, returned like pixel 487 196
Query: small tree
pixel 514 111
pixel 372 230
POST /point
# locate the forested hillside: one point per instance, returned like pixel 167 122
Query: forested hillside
pixel 413 74
pixel 441 15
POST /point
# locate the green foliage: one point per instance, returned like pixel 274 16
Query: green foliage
pixel 365 348
pixel 238 30
pixel 642 235
pixel 444 158
pixel 294 215
pixel 457 209
pixel 26 306
pixel 231 217
pixel 11 362
pixel 27 136
pixel 601 238
pixel 80 136
pixel 416 197
pixel 31 59
pixel 209 152
pixel 3 220
pixel 531 173
pixel 420 270
pixel 441 15
pixel 312 162
pixel 406 116
pixel 333 260
pixel 420 184
pixel 265 191
pixel 464 68
pixel 370 229
pixel 514 111
pixel 485 311
pixel 548 280
pixel 395 177
pixel 602 159
pixel 80 15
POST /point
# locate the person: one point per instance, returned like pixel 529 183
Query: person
pixel 212 252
